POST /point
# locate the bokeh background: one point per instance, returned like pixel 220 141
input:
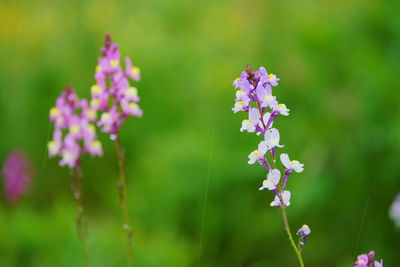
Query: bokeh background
pixel 192 196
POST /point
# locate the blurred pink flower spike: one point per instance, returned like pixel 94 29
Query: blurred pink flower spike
pixel 17 172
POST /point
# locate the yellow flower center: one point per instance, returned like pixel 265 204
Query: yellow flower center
pixel 94 103
pixel 74 129
pixel 91 114
pixel 135 70
pixel 98 68
pixel 52 145
pixel 95 89
pixel 96 145
pixel 132 92
pixel 114 63
pixel 105 116
pixel 91 128
pixel 270 76
pixel 54 112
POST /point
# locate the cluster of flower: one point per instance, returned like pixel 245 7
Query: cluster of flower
pixel 112 94
pixel 254 95
pixel 75 120
pixel 17 172
pixel 365 260
pixel 74 129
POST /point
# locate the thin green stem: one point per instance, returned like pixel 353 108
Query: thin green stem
pixel 122 195
pixel 76 188
pixel 289 233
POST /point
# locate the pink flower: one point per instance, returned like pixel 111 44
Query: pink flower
pixel 77 119
pixel 17 172
pixel 112 94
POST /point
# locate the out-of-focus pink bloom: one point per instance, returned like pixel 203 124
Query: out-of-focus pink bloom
pixel 17 172
pixel 75 119
pixel 112 94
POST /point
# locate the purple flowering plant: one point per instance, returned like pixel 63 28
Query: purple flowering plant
pixel 365 260
pixel 76 120
pixel 116 99
pixel 255 97
pixel 74 135
pixel 17 173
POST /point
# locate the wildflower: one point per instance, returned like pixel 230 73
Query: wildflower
pixel 272 138
pixel 112 94
pixel 303 232
pixel 394 211
pixel 365 260
pixel 254 95
pixel 17 172
pixel 272 180
pixel 291 165
pixel 76 119
pixel 285 199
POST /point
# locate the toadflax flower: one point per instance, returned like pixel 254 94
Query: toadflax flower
pixel 272 180
pixel 365 260
pixel 254 95
pixel 303 232
pixel 394 211
pixel 113 94
pixel 17 172
pixel 74 129
pixel 285 200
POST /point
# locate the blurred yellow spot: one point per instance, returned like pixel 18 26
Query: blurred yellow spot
pixel 74 129
pixel 135 70
pixel 133 107
pixel 105 117
pixel 91 128
pixel 91 114
pixel 52 146
pixel 98 68
pixel 239 102
pixel 114 63
pixel 270 76
pixel 54 112
pixel 96 145
pixel 94 103
pixel 95 89
pixel 131 92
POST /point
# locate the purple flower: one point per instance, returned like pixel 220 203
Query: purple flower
pixel 394 211
pixel 17 172
pixel 112 94
pixel 74 129
pixel 303 232
pixel 365 260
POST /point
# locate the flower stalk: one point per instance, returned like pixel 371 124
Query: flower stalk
pixel 254 96
pixel 76 188
pixel 122 196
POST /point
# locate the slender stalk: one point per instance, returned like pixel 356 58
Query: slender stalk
pixel 122 195
pixel 76 188
pixel 289 233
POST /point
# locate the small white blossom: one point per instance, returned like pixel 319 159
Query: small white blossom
pixel 291 165
pixel 259 153
pixel 272 180
pixel 272 138
pixel 285 198
pixel 250 124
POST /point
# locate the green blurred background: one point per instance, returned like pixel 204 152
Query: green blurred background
pixel 339 64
